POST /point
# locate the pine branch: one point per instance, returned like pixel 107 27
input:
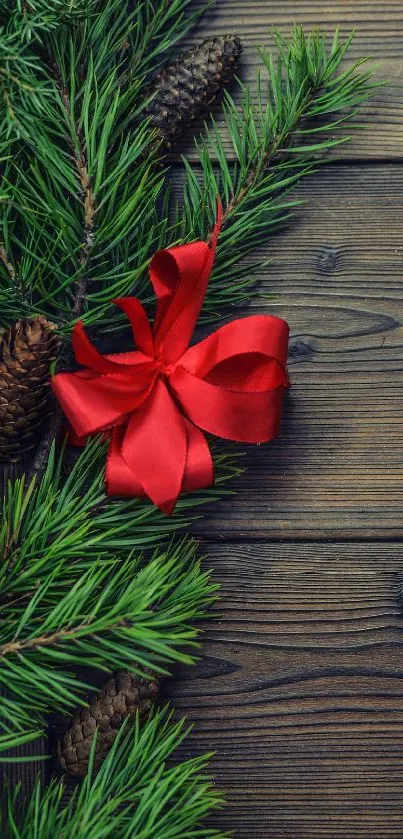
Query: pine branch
pixel 140 790
pixel 81 140
pixel 89 208
pixel 88 200
pixel 61 518
pixel 111 615
pixel 275 143
pixel 77 589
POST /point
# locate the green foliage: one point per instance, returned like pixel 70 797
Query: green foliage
pixel 80 184
pixel 83 204
pixel 77 589
pixel 137 792
pixel 72 514
pixel 277 135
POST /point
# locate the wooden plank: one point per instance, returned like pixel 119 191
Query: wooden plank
pixel 336 471
pixel 299 690
pixel 379 35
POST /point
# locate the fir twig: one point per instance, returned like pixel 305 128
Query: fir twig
pixel 79 293
pixel 140 790
pixel 109 615
pixel 77 589
pixel 274 142
pixel 87 197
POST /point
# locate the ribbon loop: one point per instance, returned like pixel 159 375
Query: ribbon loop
pixel 160 398
pixel 175 319
pixel 140 324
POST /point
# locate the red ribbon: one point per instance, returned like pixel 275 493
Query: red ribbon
pixel 157 398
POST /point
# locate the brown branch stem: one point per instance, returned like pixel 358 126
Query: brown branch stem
pixel 13 647
pixel 88 200
pixel 7 264
pixel 48 640
pixel 269 159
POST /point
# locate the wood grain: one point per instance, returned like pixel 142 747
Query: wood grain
pixel 299 690
pixel 379 35
pixel 336 471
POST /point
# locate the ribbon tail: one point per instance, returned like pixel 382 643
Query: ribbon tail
pixel 119 478
pixel 199 468
pixel 150 455
pixel 198 473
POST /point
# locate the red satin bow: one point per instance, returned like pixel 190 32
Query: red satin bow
pixel 157 399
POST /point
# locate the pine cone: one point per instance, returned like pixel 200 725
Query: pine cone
pixel 188 85
pixel 27 350
pixel 122 696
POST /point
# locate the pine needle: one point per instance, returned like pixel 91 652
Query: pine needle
pixel 301 105
pixel 83 585
pixel 79 215
pixel 139 791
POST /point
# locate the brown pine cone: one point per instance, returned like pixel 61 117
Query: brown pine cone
pixel 122 696
pixel 191 83
pixel 27 350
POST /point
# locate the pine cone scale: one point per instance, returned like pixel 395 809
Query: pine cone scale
pixel 190 84
pixel 27 350
pixel 122 696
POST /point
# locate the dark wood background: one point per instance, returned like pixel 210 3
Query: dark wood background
pixel 300 685
pixel 299 688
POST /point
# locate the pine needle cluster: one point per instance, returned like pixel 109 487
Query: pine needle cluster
pixel 275 135
pixel 83 586
pixel 83 205
pixel 137 792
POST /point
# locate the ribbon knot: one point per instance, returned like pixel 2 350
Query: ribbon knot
pixel 164 369
pixel 157 400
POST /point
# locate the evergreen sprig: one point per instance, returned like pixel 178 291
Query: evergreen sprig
pixel 78 591
pixel 80 222
pixel 80 182
pixel 72 514
pixel 137 792
pixel 277 135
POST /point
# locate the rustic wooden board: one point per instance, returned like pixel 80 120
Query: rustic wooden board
pixel 337 469
pixel 300 684
pixel 299 690
pixel 379 35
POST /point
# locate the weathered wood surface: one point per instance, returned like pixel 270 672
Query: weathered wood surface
pixel 337 469
pixel 300 690
pixel 379 35
pixel 300 686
